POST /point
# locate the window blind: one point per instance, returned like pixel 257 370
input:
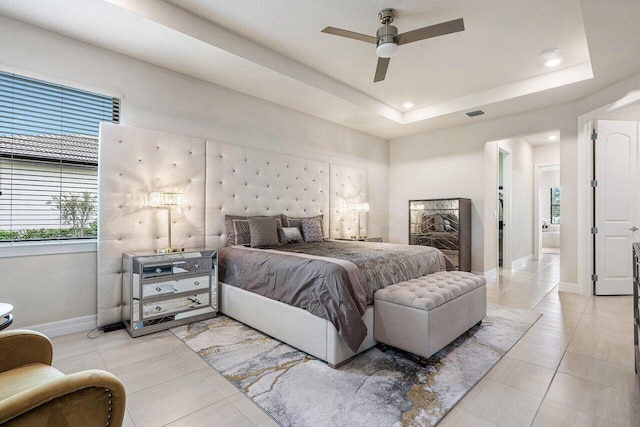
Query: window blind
pixel 49 158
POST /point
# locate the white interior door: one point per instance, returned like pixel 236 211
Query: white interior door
pixel 616 205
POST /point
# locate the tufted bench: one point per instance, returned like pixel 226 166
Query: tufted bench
pixel 424 315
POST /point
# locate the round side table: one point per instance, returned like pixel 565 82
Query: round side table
pixel 5 315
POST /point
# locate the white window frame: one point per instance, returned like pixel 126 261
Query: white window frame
pixel 53 247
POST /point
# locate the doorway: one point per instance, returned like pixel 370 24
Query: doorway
pixel 615 204
pixel 549 196
pixel 504 207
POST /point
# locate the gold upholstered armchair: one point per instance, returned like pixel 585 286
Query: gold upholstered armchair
pixel 33 393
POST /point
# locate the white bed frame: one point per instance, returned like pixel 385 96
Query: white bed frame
pixel 292 325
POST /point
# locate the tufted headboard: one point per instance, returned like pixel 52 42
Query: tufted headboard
pixel 218 179
pixel 347 185
pixel 247 181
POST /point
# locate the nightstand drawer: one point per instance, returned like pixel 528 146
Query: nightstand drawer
pixel 194 284
pixel 175 305
pixel 157 289
pixel 182 285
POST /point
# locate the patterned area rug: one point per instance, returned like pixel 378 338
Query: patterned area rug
pixel 375 388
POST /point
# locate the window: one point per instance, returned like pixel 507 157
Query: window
pixel 49 159
pixel 555 205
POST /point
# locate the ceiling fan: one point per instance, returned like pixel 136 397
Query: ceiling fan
pixel 387 38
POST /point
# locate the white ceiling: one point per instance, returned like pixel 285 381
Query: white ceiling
pixel 275 51
pixel 543 138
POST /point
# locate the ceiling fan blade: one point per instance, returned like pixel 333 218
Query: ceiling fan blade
pixel 381 69
pixel 350 34
pixel 431 31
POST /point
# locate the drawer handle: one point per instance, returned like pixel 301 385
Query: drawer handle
pixel 194 300
pixel 158 288
pixel 158 308
pixel 158 270
pixel 196 283
pixel 197 266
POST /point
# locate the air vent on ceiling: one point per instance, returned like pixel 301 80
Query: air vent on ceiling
pixel 474 113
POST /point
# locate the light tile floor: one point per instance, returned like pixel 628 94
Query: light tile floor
pixel 573 368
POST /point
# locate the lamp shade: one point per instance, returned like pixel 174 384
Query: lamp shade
pixel 159 199
pixel 360 207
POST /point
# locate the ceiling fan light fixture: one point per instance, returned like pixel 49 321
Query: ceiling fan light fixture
pixel 386 50
pixel 386 46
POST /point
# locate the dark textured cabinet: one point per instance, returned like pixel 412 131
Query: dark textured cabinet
pixel 636 305
pixel 444 224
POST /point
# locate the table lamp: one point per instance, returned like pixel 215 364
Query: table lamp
pixel 359 208
pixel 168 201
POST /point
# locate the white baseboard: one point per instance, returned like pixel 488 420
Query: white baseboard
pixel 521 261
pixel 67 326
pixel 489 274
pixel 569 287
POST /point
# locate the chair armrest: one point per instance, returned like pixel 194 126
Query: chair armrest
pixel 21 347
pixel 86 398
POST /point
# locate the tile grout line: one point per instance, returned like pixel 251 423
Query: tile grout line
pixel 558 366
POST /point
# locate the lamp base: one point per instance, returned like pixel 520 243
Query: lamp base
pixel 168 250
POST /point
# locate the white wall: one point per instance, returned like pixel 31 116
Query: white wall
pixel 159 99
pixel 546 154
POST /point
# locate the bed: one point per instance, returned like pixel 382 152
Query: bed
pixel 318 296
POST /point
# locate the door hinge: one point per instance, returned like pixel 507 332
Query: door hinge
pixel 594 277
pixel 594 230
pixel 594 183
pixel 594 135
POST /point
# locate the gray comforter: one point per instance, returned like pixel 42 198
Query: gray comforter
pixel 334 280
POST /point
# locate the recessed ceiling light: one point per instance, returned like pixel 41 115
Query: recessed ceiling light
pixel 551 58
pixel 407 104
pixel 552 138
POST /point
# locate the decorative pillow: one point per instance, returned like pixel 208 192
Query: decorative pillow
pixel 312 229
pixel 447 224
pixel 292 234
pixel 264 231
pixel 288 221
pixel 438 223
pixel 282 239
pixel 237 228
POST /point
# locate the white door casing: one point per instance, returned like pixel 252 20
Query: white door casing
pixel 616 205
